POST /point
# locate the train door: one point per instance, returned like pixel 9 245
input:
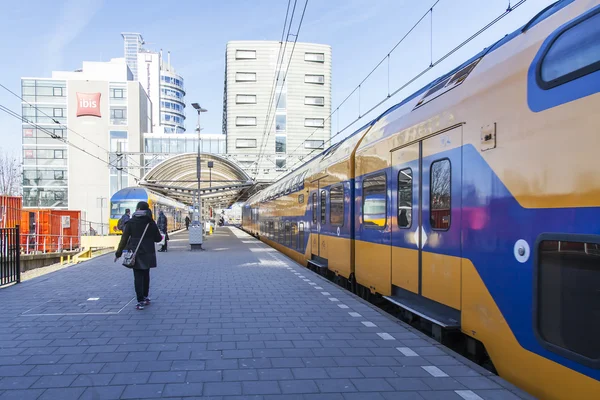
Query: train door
pixel 426 225
pixel 318 200
pixel 441 189
pixel 406 217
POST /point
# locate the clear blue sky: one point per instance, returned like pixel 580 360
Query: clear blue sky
pixel 40 36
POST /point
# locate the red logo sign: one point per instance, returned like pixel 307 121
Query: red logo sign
pixel 88 104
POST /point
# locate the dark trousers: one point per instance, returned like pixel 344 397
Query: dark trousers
pixel 141 280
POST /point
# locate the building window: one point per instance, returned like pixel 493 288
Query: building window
pixel 58 112
pixel 280 123
pixel 245 143
pixel 314 122
pixel 374 201
pixel 59 154
pixel 336 205
pixel 280 142
pixel 281 101
pixel 59 132
pixel 59 175
pixel 318 79
pixel 245 99
pixel 314 101
pixel 245 76
pixel 245 54
pixel 314 208
pixel 280 164
pixel 574 53
pixel 567 278
pixel 59 195
pixel 58 91
pixel 405 198
pixel 314 57
pixel 118 116
pixel 323 205
pixel 117 93
pixel 314 144
pixel 439 194
pixel 245 121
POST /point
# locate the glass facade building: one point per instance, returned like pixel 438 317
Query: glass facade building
pixel 133 44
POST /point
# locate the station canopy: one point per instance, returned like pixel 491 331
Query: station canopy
pixel 220 186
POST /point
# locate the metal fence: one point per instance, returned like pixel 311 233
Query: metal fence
pixel 10 256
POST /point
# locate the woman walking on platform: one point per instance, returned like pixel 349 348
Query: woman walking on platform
pixel 142 227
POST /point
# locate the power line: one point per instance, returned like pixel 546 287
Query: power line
pixel 284 78
pixel 280 57
pixel 387 57
pixel 53 119
pixel 441 59
pixel 54 136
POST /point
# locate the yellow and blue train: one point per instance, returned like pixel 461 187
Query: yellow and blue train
pixel 473 204
pixel 129 197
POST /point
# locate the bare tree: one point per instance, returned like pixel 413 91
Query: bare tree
pixel 10 175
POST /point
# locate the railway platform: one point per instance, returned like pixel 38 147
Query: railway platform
pixel 237 321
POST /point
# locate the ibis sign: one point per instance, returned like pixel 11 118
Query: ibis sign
pixel 88 104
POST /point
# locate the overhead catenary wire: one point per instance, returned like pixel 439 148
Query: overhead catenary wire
pixel 54 136
pixel 53 118
pixel 283 82
pixel 63 125
pixel 437 62
pixel 387 57
pixel 280 56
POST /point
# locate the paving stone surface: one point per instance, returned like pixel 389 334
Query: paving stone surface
pixel 237 321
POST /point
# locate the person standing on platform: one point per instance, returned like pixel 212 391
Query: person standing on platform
pixel 141 227
pixel 187 222
pixel 124 219
pixel 163 228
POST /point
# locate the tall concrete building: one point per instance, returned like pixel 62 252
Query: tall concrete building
pixel 298 110
pixel 100 110
pixel 160 80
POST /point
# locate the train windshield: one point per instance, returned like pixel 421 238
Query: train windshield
pixel 117 209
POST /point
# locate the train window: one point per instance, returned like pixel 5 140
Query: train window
pixel 276 231
pixel 440 195
pixel 287 234
pixel 336 205
pixel 301 237
pixel 281 233
pixel 300 198
pixel 294 244
pixel 567 310
pixel 314 207
pixel 405 198
pixel 374 201
pixel 575 52
pixel 323 205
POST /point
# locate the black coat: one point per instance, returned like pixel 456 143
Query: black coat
pixel 162 223
pixel 146 255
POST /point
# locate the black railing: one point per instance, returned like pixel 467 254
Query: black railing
pixel 10 256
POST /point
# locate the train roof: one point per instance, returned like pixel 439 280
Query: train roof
pixel 137 193
pixel 285 184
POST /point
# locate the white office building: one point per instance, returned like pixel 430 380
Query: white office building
pixel 100 110
pixel 160 80
pixel 298 123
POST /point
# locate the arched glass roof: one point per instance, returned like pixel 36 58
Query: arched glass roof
pixel 221 185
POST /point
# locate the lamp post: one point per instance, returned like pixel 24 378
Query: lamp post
pixel 198 165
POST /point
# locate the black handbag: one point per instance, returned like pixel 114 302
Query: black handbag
pixel 129 256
